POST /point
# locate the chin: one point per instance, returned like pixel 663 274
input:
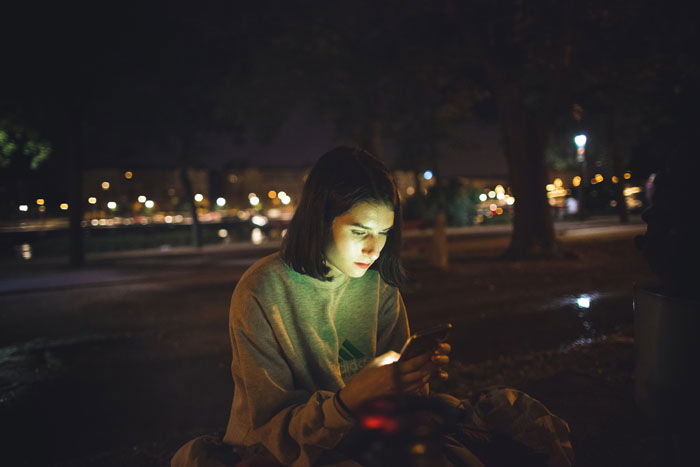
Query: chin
pixel 356 272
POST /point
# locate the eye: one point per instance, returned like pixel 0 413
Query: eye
pixel 358 233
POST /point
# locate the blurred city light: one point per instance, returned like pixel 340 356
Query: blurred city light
pixel 254 200
pixel 550 187
pixel 558 183
pixel 149 203
pixel 428 174
pixel 142 199
pixel 492 194
pixel 580 140
pixel 63 206
pixel 92 200
pixel 128 174
pixel 112 205
pixel 256 236
pixel 483 197
pixel 221 202
pixel 23 207
pixel 410 191
pixel 510 201
pixel 26 250
pixel 615 179
pixel 627 175
pixel 584 301
pixel 259 220
pixel 286 200
pixel 576 181
pixel 40 202
pixel 272 194
pixel 281 194
pixel 223 233
pixel 199 197
pixel 105 185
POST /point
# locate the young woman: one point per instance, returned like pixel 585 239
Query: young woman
pixel 306 323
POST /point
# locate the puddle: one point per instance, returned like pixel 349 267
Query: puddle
pixel 597 314
pixel 560 324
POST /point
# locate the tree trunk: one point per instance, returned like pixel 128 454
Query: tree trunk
pixel 185 145
pixel 533 229
pixel 74 150
pixel 189 196
pixel 442 254
pixel 615 148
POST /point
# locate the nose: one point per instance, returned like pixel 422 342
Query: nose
pixel 371 247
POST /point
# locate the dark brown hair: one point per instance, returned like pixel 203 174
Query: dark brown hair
pixel 340 179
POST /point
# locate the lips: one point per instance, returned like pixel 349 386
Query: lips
pixel 363 265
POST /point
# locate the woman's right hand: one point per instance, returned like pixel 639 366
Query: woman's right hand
pixel 397 378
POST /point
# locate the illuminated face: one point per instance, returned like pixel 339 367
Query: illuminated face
pixel 358 237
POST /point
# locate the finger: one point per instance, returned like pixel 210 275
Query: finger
pixel 414 363
pixel 415 386
pixel 443 348
pixel 440 360
pixel 421 375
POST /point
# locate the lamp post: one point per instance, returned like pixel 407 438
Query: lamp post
pixel 580 141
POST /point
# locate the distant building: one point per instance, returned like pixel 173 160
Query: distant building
pixel 238 186
pixel 131 189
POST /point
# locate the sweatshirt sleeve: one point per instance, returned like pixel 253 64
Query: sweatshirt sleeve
pixel 293 425
pixel 393 322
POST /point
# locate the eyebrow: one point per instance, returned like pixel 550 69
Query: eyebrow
pixel 355 224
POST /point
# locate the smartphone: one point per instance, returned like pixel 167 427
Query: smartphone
pixel 425 341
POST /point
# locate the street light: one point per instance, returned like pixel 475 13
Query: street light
pixel 580 142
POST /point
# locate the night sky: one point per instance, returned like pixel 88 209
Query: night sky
pixel 142 76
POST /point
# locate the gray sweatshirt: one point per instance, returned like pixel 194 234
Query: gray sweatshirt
pixel 295 341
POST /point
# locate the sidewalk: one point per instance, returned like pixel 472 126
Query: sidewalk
pixel 123 266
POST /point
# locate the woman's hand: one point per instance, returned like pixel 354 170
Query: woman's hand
pixel 441 358
pixel 402 377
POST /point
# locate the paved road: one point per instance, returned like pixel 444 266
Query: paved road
pixel 159 265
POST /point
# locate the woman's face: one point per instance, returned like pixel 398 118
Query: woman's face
pixel 357 238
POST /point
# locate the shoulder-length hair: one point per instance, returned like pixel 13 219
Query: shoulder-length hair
pixel 340 179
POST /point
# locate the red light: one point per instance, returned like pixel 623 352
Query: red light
pixel 379 422
pixel 373 423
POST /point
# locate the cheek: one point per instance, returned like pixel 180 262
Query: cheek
pixel 348 246
pixel 342 244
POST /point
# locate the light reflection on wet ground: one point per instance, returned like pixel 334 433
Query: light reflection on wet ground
pixel 561 323
pixel 599 314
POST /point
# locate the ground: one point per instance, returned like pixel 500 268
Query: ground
pixel 122 371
